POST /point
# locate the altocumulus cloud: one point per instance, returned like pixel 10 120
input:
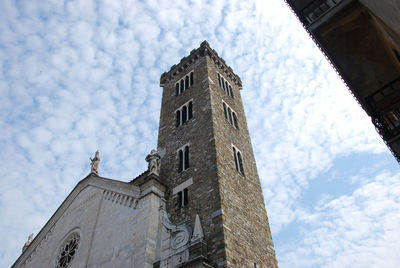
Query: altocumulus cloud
pixel 77 76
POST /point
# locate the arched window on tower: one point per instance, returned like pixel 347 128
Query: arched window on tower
pixel 230 115
pixel 180 159
pixel 182 88
pixel 183 158
pixel 230 91
pixel 235 122
pixel 186 162
pixel 190 110
pixel 184 114
pixel 177 89
pixel 191 79
pixel 225 111
pixel 186 82
pixel 237 157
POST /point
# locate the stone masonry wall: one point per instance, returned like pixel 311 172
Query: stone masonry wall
pixel 246 229
pixel 230 205
pixel 198 133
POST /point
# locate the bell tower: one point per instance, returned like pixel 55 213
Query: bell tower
pixel 208 164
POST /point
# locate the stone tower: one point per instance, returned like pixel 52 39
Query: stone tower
pixel 208 163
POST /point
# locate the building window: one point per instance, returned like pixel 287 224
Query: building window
pixel 230 115
pixel 183 198
pixel 68 250
pixel 237 156
pixel 225 85
pixel 185 83
pixel 183 158
pixel 184 113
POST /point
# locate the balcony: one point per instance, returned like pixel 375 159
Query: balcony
pixel 315 9
pixel 385 109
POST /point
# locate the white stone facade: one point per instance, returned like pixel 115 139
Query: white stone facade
pixel 118 224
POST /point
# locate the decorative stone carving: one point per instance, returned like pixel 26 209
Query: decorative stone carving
pixel 154 162
pixel 28 242
pixel 197 231
pixel 180 233
pixel 95 163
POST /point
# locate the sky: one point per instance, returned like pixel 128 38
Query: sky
pixel 81 76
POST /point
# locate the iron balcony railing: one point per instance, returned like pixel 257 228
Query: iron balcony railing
pixel 385 109
pixel 316 9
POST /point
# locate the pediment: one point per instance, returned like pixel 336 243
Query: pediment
pixel 77 208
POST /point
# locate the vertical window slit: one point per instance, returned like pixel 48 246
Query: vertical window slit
pixel 185 197
pixel 190 110
pixel 235 123
pixel 235 158
pixel 239 156
pixel 230 115
pixel 184 114
pixel 225 112
pixel 191 78
pixel 180 156
pixel 186 157
pixel 181 89
pixel 186 82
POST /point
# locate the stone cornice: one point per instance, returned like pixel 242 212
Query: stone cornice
pixel 195 54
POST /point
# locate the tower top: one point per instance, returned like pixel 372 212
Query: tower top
pixel 203 50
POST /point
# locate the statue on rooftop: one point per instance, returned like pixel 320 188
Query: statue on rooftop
pixel 154 162
pixel 95 163
pixel 28 242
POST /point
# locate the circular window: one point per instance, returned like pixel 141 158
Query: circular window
pixel 67 251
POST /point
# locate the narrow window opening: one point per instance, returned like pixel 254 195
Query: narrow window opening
pixel 235 122
pixel 178 118
pixel 225 112
pixel 180 199
pixel 239 156
pixel 226 87
pixel 186 82
pixel 190 110
pixel 235 158
pixel 191 79
pixel 180 156
pixel 230 91
pixel 186 166
pixel 182 87
pixel 230 115
pixel 177 89
pixel 184 114
pixel 219 80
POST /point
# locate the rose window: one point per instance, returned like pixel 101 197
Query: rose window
pixel 67 251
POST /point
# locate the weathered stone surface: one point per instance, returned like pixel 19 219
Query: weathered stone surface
pixel 230 205
pixel 118 224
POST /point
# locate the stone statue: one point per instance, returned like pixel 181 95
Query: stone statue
pixel 95 163
pixel 154 162
pixel 28 242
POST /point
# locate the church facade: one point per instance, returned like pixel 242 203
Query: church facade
pixel 199 204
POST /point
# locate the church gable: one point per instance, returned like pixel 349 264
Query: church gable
pixel 99 215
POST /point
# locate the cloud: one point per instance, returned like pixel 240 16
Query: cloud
pixel 357 230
